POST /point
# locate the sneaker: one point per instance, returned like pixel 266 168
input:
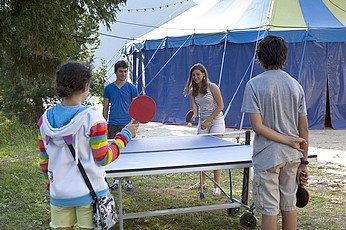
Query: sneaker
pixel 217 191
pixel 196 186
pixel 128 185
pixel 115 184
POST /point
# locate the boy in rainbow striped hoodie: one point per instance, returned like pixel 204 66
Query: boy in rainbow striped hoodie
pixel 69 196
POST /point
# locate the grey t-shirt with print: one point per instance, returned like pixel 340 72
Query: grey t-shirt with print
pixel 280 100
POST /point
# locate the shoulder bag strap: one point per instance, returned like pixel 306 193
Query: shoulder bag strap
pixel 82 171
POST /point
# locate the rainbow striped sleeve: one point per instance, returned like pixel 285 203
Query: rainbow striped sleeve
pixel 43 159
pixel 103 152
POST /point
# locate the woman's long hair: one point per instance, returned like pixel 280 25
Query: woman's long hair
pixel 191 87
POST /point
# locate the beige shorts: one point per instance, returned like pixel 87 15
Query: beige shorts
pixel 275 188
pixel 62 217
pixel 217 126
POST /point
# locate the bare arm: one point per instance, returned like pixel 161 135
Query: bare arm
pixel 261 129
pixel 215 90
pixel 302 173
pixel 105 108
pixel 193 107
pixel 218 98
pixel 304 133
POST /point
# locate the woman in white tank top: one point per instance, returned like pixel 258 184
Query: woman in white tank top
pixel 206 101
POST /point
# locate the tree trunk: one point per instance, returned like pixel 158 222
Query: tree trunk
pixel 38 106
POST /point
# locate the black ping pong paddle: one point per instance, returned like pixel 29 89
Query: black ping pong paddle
pixel 302 197
pixel 142 109
pixel 188 116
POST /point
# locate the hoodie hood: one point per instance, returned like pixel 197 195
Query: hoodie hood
pixel 59 135
pixel 66 181
pixel 70 129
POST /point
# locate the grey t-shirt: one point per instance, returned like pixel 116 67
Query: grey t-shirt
pixel 280 100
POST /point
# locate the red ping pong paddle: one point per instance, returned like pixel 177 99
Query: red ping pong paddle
pixel 188 116
pixel 302 197
pixel 142 109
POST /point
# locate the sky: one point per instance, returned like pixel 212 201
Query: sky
pixel 148 14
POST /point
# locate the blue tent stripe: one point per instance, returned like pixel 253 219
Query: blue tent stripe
pixel 329 35
pixel 316 14
pixel 322 34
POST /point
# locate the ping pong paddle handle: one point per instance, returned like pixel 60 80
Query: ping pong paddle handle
pixel 188 116
pixel 133 121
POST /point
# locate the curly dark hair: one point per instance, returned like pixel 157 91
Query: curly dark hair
pixel 271 52
pixel 72 77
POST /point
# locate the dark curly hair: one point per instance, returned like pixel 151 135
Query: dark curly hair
pixel 271 52
pixel 72 77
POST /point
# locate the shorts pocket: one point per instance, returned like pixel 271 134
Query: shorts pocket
pixel 257 190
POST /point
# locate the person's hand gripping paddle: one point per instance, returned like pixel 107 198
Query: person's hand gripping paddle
pixel 302 194
pixel 142 109
pixel 302 197
pixel 188 117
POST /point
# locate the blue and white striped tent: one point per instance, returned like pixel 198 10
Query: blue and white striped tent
pixel 222 34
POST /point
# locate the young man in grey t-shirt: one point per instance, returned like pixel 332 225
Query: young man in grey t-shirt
pixel 276 106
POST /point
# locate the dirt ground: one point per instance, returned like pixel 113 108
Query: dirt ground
pixel 328 144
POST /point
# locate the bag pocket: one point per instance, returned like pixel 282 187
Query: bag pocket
pixel 104 212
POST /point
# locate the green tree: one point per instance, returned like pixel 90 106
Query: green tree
pixel 36 36
pixel 99 80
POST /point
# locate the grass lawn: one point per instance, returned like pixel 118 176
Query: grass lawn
pixel 24 203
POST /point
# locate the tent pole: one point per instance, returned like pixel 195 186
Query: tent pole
pixel 145 67
pixel 223 58
pixel 303 55
pixel 168 61
pixel 236 91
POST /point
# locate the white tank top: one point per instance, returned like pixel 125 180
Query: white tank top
pixel 206 104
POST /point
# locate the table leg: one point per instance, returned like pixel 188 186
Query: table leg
pixel 120 204
pixel 246 174
pixel 246 184
pixel 230 184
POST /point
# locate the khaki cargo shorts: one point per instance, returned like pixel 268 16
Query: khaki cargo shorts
pixel 275 189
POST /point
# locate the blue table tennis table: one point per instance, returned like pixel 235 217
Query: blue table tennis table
pixel 182 154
